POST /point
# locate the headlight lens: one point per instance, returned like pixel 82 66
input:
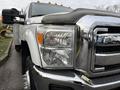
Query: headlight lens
pixel 58 39
pixel 57 48
pixel 57 57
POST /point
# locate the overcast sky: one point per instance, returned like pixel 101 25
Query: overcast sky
pixel 71 3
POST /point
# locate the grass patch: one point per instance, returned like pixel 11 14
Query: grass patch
pixel 4 42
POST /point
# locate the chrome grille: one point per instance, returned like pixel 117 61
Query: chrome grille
pixel 106 49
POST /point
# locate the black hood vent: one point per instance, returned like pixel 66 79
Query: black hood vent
pixel 71 18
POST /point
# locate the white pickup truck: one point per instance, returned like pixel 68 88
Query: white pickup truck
pixel 65 49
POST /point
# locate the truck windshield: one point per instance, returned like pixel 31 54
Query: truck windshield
pixel 39 9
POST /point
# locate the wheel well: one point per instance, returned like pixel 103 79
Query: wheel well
pixel 25 52
pixel 25 47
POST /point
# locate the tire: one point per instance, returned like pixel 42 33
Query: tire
pixel 29 66
pixel 32 84
pixel 18 48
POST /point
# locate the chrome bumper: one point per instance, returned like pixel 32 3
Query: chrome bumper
pixel 72 80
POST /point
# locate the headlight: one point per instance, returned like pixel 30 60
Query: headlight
pixel 58 39
pixel 56 47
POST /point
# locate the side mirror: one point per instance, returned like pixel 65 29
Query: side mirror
pixel 9 16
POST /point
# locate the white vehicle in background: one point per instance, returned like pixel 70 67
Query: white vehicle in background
pixel 65 49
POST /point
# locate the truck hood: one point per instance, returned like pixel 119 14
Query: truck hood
pixel 39 19
pixel 73 17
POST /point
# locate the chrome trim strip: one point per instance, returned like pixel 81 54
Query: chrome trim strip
pixel 59 77
pixel 106 84
pixel 72 79
pixel 108 54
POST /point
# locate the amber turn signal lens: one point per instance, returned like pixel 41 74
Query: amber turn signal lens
pixel 40 38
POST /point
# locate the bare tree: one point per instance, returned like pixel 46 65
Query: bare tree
pixel 112 8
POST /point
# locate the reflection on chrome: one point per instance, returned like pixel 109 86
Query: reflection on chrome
pixel 113 39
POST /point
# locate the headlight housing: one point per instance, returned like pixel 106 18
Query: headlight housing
pixel 56 46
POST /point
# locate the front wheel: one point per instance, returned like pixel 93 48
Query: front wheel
pixel 28 81
pixel 29 66
pixel 32 84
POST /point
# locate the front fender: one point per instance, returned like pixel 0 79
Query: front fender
pixel 30 38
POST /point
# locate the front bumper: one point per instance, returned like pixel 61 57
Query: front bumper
pixel 70 80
